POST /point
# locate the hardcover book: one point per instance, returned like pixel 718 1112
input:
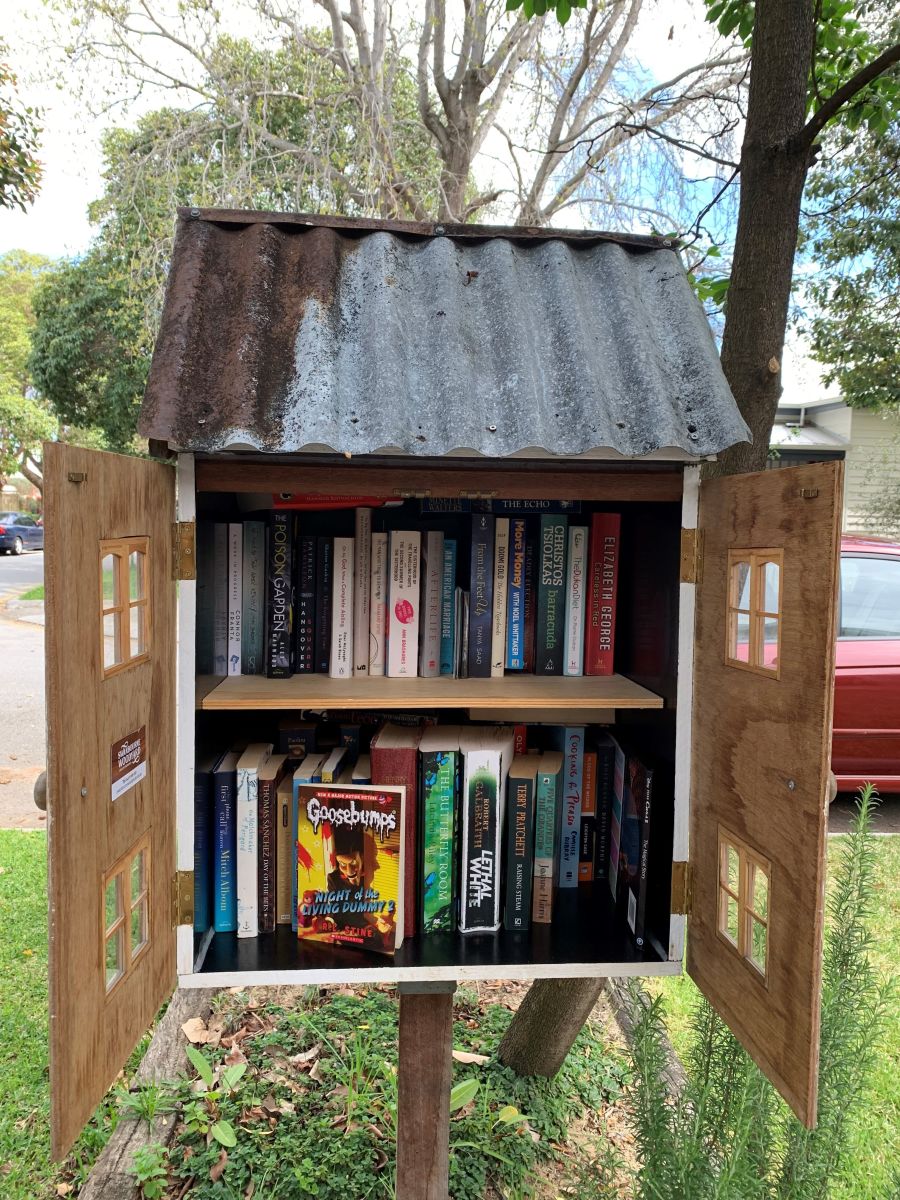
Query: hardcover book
pixel 498 617
pixel 279 597
pixel 551 596
pixel 605 749
pixel 362 551
pixel 520 799
pixel 247 818
pixel 205 598
pixel 225 844
pixel 324 568
pixel 515 606
pixel 341 661
pixel 253 615
pixel 235 595
pixel 487 753
pixel 378 599
pixel 350 866
pixel 448 608
pixel 588 840
pixel 305 641
pixel 481 596
pixel 575 591
pixel 430 623
pixel 394 757
pixel 403 603
pixel 296 738
pixel 546 835
pixel 203 842
pixel 284 849
pixel 569 741
pixel 268 779
pixel 439 768
pixel 220 598
pixel 602 586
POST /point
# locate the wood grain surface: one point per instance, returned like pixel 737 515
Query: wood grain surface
pixel 424 1075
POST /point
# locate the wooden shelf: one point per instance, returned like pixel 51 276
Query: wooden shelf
pixel 512 691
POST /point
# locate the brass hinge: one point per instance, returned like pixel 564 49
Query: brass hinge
pixel 691 556
pixel 682 887
pixel 184 550
pixel 183 898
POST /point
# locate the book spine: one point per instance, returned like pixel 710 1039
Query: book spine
pixel 400 766
pixel 220 598
pixel 324 568
pixel 403 604
pixel 362 559
pixel 378 594
pixel 588 841
pixel 576 571
pixel 267 860
pixel 202 851
pixel 224 854
pixel 530 603
pixel 448 608
pixel 551 597
pixel 480 596
pixel 205 597
pixel 479 899
pixel 295 862
pixel 603 582
pixel 520 734
pixel 235 596
pixel 644 803
pixel 284 858
pixel 305 642
pixel 438 867
pixel 498 618
pixel 341 660
pixel 247 816
pixel 515 604
pixel 253 616
pixel 462 634
pixel 519 854
pixel 430 623
pixel 570 814
pixel 615 822
pixel 279 597
pixel 605 762
pixel 545 827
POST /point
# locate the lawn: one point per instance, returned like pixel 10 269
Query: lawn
pixel 35 593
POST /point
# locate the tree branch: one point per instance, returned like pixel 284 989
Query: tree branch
pixel 855 84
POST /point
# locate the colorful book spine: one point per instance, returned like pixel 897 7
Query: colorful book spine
pixel 515 604
pixel 498 617
pixel 324 568
pixel 267 822
pixel 220 598
pixel 570 742
pixel 603 582
pixel 606 758
pixel 480 596
pixel 394 757
pixel 576 560
pixel 438 869
pixel 362 567
pixel 531 566
pixel 448 608
pixel 307 772
pixel 305 641
pixel 551 596
pixel 430 623
pixel 588 840
pixel 284 851
pixel 225 845
pixel 205 598
pixel 486 762
pixel 253 615
pixel 403 604
pixel 247 818
pixel 203 847
pixel 378 597
pixel 279 597
pixel 519 864
pixel 235 595
pixel 341 659
pixel 546 837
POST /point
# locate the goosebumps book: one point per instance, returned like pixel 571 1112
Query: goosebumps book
pixel 350 866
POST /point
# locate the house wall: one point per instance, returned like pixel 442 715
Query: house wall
pixel 872 472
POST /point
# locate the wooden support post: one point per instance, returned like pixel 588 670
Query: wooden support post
pixel 423 1090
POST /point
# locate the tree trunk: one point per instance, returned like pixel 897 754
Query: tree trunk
pixel 549 1019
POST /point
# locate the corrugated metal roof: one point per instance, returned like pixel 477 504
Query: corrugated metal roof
pixel 282 334
pixel 806 437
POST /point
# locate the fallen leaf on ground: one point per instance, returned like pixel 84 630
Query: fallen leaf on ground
pixel 305 1056
pixel 63 1189
pixel 195 1031
pixel 464 1056
pixel 316 1073
pixel 218 1167
pixel 234 1057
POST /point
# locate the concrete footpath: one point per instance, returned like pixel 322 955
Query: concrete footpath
pixel 22 716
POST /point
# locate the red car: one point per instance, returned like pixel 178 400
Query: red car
pixel 866 743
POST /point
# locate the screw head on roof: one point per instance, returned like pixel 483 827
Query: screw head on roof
pixel 439 229
pixel 492 428
pixel 195 212
pixel 667 241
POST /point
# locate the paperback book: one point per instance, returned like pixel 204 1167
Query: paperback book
pixel 279 597
pixel 439 783
pixel 551 596
pixel 520 842
pixel 253 609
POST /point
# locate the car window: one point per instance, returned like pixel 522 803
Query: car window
pixel 26 520
pixel 870 597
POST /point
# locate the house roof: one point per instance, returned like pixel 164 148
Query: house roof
pixel 806 437
pixel 283 333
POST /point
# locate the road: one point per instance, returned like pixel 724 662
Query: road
pixel 24 571
pixel 22 728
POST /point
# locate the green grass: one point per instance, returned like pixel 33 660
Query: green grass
pixel 35 593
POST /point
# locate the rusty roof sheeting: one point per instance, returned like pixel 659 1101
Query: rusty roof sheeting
pixel 283 335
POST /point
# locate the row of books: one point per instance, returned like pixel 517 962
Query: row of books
pixel 537 594
pixel 488 824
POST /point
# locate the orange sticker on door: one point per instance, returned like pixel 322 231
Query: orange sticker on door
pixel 128 764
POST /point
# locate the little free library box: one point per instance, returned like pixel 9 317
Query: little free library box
pixel 426 514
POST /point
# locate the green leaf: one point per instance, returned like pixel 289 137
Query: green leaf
pixel 512 5
pixel 563 11
pixel 231 1075
pixel 509 1115
pixel 463 1093
pixel 201 1065
pixel 223 1132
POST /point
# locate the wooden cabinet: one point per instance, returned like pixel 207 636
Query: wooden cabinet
pixel 727 648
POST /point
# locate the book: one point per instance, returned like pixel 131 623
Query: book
pixel 519 865
pixel 225 844
pixel 284 848
pixel 220 598
pixel 462 634
pixel 448 608
pixel 307 772
pixel 430 621
pixel 481 585
pixel 587 845
pixel 546 836
pixel 640 784
pixel 341 658
pixel 268 779
pixel 362 559
pixel 205 599
pixel 235 595
pixel 515 602
pixel 253 615
pixel 362 770
pixel 378 596
pixel 350 866
pixel 605 749
pixel 296 738
pixel 551 596
pixel 333 764
pixel 247 821
pixel 203 842
pixel 629 846
pixel 617 801
pixel 603 582
pixel 487 753
pixel 279 597
pixel 498 616
pixel 569 740
pixel 394 757
pixel 305 597
pixel 438 788
pixel 576 569
pixel 324 567
pixel 404 548
pixel 530 602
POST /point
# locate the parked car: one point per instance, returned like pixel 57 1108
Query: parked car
pixel 866 741
pixel 19 532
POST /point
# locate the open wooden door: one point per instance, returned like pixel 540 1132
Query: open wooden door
pixel 111 766
pixel 763 690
